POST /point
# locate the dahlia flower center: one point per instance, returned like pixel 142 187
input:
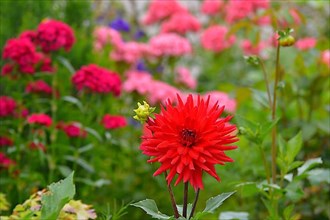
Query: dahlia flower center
pixel 188 137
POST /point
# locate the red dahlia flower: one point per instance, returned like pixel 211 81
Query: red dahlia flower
pixel 53 35
pixel 41 119
pixel 189 139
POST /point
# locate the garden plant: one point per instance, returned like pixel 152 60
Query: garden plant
pixel 165 109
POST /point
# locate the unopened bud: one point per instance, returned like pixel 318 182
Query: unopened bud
pixel 287 41
pixel 143 112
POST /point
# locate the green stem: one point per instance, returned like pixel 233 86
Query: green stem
pixel 175 209
pixel 185 199
pixel 263 156
pixel 277 73
pixel 267 82
pixel 194 205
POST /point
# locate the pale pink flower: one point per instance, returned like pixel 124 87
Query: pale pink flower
pixel 105 35
pixel 211 7
pixel 295 15
pixel 160 9
pixel 138 81
pixel 223 99
pixel 161 92
pixel 305 43
pixel 169 44
pixel 185 77
pixel 256 4
pixel 251 49
pixel 181 23
pixel 325 57
pixel 129 52
pixel 237 10
pixel 215 38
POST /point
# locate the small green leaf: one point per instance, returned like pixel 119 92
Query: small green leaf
pixel 67 64
pixel 180 209
pixel 294 165
pixel 83 163
pixel 234 216
pixel 309 164
pixel 214 202
pixel 75 101
pixel 288 212
pixel 293 147
pixel 59 194
pixel 150 207
pixel 94 133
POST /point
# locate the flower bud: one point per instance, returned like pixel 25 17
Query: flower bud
pixel 287 41
pixel 143 112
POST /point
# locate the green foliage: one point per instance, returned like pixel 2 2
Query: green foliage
pixel 59 194
pixel 150 207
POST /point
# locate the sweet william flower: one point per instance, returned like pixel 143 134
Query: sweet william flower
pixel 113 121
pixel 188 140
pixel 41 119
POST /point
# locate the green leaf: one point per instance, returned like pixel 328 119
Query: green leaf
pixel 294 165
pixel 288 212
pixel 293 147
pixel 67 64
pixel 234 215
pixel 248 189
pixel 317 176
pixel 150 207
pixel 75 101
pixel 94 133
pixel 214 202
pixel 180 209
pixel 309 164
pixel 59 194
pixel 85 148
pixel 83 163
pixel 294 191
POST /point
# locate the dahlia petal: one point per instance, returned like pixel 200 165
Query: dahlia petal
pixel 162 168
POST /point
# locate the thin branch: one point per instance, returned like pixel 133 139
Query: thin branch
pixel 194 205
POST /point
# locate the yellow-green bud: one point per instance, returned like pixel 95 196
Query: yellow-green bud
pixel 143 112
pixel 287 41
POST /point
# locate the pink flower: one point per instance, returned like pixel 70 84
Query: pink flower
pixel 46 64
pixel 295 15
pixel 7 106
pixel 53 35
pixel 138 81
pixel 6 69
pixel 181 23
pixel 162 92
pixel 40 119
pixel 215 38
pixel 223 100
pixel 22 53
pixel 325 58
pixel 105 35
pixel 169 44
pixel 211 7
pixel 113 121
pixel 72 129
pixel 305 43
pixel 38 86
pixel 250 49
pixel 129 52
pixel 29 35
pixel 97 79
pixel 185 77
pixel 5 162
pixel 256 4
pixel 6 141
pixel 237 10
pixel 37 146
pixel 160 9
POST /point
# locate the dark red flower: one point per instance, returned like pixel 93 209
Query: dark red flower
pixel 41 119
pixel 7 106
pixel 97 79
pixel 189 139
pixel 22 53
pixel 5 162
pixel 113 121
pixel 38 86
pixel 29 35
pixel 53 35
pixel 6 141
pixel 72 129
pixel 6 69
pixel 37 146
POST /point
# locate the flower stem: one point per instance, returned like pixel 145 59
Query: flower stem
pixel 265 164
pixel 277 73
pixel 185 199
pixel 194 205
pixel 175 209
pixel 267 82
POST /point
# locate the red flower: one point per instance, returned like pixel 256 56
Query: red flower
pixel 6 69
pixel 5 162
pixel 113 121
pixel 37 145
pixel 38 86
pixel 72 129
pixel 189 139
pixel 6 141
pixel 97 79
pixel 53 35
pixel 29 35
pixel 41 119
pixel 23 53
pixel 7 106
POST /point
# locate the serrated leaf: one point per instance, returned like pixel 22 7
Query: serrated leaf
pixel 234 216
pixel 59 194
pixel 150 207
pixel 214 202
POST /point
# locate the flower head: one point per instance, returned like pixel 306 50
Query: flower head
pixel 72 129
pixel 7 106
pixel 120 24
pixel 189 139
pixel 113 121
pixel 143 112
pixel 6 141
pixel 215 39
pixel 38 87
pixel 41 119
pixel 211 7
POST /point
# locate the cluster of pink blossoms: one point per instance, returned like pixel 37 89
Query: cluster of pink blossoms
pixel 39 119
pixel 305 43
pixel 22 54
pixel 181 23
pixel 215 38
pixel 212 7
pixel 72 129
pixel 104 36
pixel 252 49
pixel 97 79
pixel 6 141
pixel 185 77
pixel 325 58
pixel 38 87
pixel 113 121
pixel 7 106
